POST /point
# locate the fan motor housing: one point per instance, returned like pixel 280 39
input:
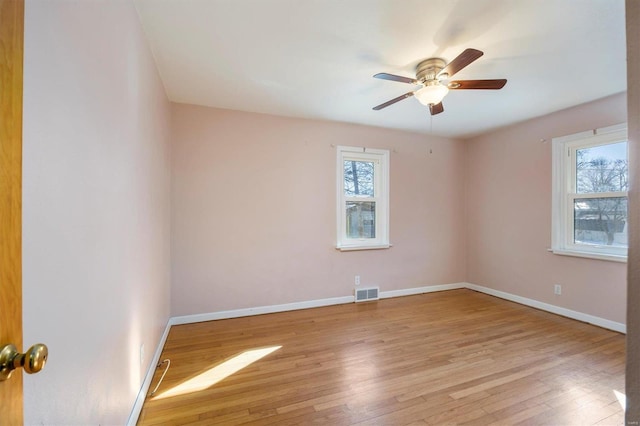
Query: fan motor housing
pixel 428 69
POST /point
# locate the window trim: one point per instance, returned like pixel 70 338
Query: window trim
pixel 563 167
pixel 381 183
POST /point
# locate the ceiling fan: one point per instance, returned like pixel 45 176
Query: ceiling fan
pixel 433 75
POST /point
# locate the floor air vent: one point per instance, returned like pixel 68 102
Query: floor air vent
pixel 364 294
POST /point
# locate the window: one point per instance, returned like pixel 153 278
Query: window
pixel 590 178
pixel 363 198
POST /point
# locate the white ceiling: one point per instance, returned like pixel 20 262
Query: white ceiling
pixel 316 58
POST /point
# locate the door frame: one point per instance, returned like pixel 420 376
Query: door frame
pixel 11 82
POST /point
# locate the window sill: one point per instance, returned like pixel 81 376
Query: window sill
pixel 371 247
pixel 589 255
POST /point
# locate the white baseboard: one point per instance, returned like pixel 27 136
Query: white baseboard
pixel 237 313
pixel 591 319
pixel 420 290
pixel 270 309
pixel 137 406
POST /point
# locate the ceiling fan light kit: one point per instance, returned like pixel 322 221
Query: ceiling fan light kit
pixel 431 94
pixel 433 75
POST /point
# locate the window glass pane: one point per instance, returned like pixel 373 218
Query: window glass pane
pixel 600 221
pixel 359 178
pixel 361 219
pixel 602 168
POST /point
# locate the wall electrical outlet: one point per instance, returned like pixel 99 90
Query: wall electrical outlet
pixel 357 280
pixel 557 289
pixel 142 354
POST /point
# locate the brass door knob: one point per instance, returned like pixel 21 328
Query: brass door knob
pixel 32 361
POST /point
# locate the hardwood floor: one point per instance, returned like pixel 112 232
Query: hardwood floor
pixel 453 357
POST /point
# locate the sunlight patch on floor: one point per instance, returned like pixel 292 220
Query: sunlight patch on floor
pixel 219 372
pixel 622 399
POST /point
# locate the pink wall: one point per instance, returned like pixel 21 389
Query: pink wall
pixel 508 192
pixel 96 209
pixel 253 211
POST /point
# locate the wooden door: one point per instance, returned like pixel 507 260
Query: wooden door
pixel 11 54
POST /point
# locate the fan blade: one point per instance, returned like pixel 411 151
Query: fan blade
pixel 477 84
pixel 392 77
pixel 436 109
pixel 393 101
pixel 461 61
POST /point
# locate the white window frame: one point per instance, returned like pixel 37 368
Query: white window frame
pixel 380 158
pixel 564 192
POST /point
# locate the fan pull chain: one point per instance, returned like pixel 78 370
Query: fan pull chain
pixel 430 125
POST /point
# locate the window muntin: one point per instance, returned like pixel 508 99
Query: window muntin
pixel 362 204
pixel 590 194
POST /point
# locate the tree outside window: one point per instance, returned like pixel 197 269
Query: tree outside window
pixel 590 184
pixel 602 169
pixel 363 187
